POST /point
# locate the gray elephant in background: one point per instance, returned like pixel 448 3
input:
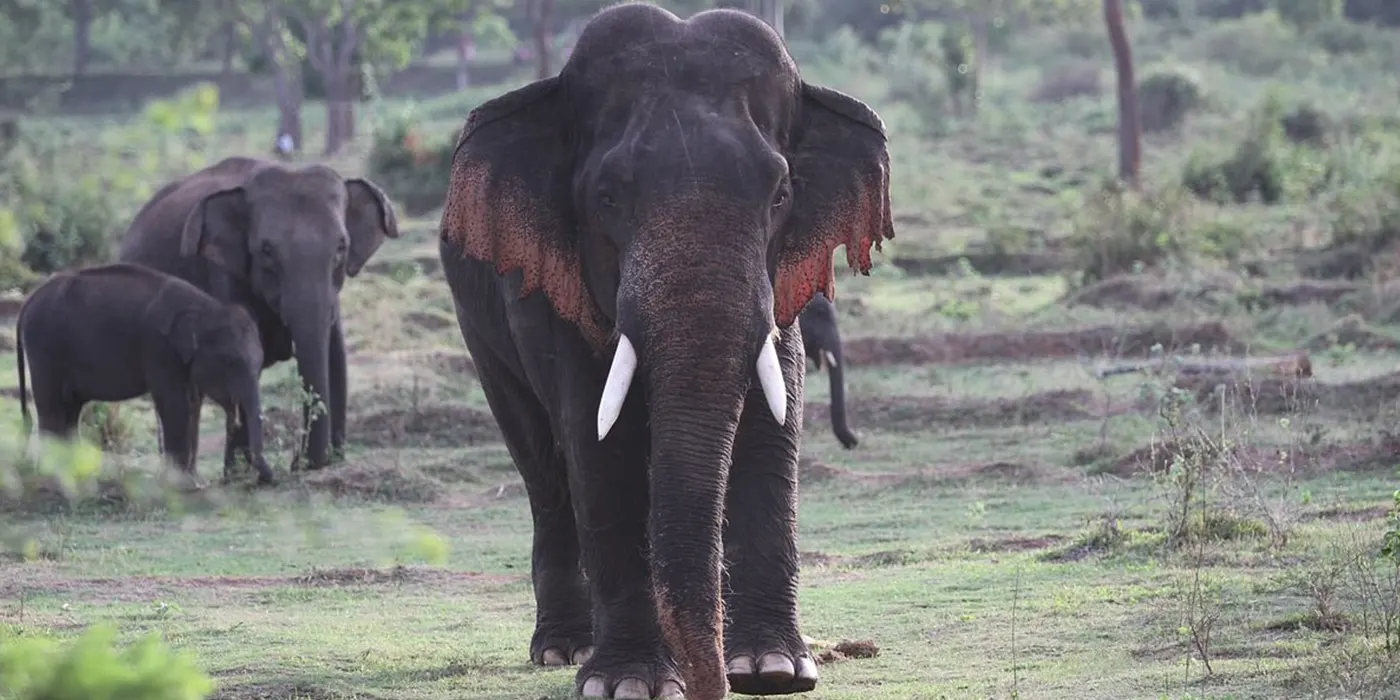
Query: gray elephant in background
pixel 116 332
pixel 822 343
pixel 278 240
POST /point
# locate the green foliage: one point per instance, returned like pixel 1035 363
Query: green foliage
pixel 1390 545
pixel 1167 94
pixel 413 170
pixel 1262 163
pixel 1118 230
pixel 93 668
pixel 1308 13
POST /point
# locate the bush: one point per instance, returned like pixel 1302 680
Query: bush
pixel 1306 124
pixel 66 227
pixel 1121 231
pixel 1263 162
pixel 91 668
pixel 1258 45
pixel 1166 95
pixel 1066 80
pixel 411 170
pixel 1308 13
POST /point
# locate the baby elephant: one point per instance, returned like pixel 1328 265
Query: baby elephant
pixel 116 332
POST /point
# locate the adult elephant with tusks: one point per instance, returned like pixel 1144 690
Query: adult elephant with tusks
pixel 822 341
pixel 280 241
pixel 629 244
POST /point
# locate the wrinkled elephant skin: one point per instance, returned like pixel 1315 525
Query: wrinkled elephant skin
pixel 629 244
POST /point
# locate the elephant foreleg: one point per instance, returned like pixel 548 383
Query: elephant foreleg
pixel 177 407
pixel 235 442
pixel 765 651
pixel 338 402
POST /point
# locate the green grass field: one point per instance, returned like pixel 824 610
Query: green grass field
pixel 1011 525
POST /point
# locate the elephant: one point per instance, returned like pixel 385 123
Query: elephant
pixel 118 331
pixel 278 240
pixel 660 210
pixel 822 342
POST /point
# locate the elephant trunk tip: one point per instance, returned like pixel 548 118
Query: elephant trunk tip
pixel 699 652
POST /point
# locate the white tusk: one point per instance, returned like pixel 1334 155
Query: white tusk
pixel 624 364
pixel 830 358
pixel 770 377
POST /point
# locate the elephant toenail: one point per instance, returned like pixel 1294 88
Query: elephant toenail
pixel 595 687
pixel 553 657
pixel 671 689
pixel 807 669
pixel 632 689
pixel 740 666
pixel 583 654
pixel 775 667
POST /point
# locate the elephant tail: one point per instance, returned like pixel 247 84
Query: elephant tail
pixel 19 369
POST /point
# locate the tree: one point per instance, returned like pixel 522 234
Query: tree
pixel 770 11
pixel 1129 118
pixel 541 13
pixel 80 12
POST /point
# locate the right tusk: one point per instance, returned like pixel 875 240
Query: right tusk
pixel 770 377
pixel 624 365
pixel 830 357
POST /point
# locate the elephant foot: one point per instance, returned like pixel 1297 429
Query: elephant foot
pixel 558 647
pixel 848 441
pixel 604 677
pixel 776 670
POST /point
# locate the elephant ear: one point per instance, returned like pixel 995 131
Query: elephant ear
pixel 217 228
pixel 181 328
pixel 841 196
pixel 369 219
pixel 508 200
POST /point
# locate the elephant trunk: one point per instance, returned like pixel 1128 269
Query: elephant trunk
pixel 698 366
pixel 836 366
pixel 310 323
pixel 249 403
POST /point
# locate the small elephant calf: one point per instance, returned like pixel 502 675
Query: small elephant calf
pixel 116 332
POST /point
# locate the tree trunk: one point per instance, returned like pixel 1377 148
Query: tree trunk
pixel 288 103
pixel 543 14
pixel 770 11
pixel 978 64
pixel 1129 118
pixel 82 35
pixel 230 37
pixel 464 41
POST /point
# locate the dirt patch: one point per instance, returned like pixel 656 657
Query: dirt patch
pixel 848 649
pixel 1154 294
pixel 1028 345
pixel 439 361
pixel 302 690
pixel 985 263
pixel 428 321
pixel 1352 330
pixel 1014 544
pixel 811 471
pixel 921 413
pixel 40 579
pixel 439 425
pixel 1281 396
pixel 1351 515
pixel 1299 460
pixel 377 481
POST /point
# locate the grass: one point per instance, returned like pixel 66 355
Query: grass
pixel 1006 526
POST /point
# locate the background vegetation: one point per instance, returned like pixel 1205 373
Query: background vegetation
pixel 1024 516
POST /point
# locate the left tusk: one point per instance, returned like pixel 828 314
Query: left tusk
pixel 770 377
pixel 830 358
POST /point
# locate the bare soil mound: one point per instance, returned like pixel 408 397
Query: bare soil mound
pixel 1028 345
pixel 919 413
pixel 387 482
pixel 1154 294
pixel 1159 456
pixel 440 425
pixel 1282 395
pixel 985 263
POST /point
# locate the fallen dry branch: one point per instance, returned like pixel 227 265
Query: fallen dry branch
pixel 1029 345
pixel 1293 366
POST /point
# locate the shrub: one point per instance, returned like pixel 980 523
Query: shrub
pixel 412 170
pixel 1066 80
pixel 1166 95
pixel 1258 45
pixel 1340 37
pixel 1306 124
pixel 1119 231
pixel 91 668
pixel 65 227
pixel 1308 13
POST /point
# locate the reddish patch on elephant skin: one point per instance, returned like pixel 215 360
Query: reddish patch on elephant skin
pixel 841 178
pixel 699 659
pixel 500 221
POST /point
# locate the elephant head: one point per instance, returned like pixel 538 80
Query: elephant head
pixel 677 192
pixel 293 236
pixel 225 355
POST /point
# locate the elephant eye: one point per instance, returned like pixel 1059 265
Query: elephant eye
pixel 780 200
pixel 607 200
